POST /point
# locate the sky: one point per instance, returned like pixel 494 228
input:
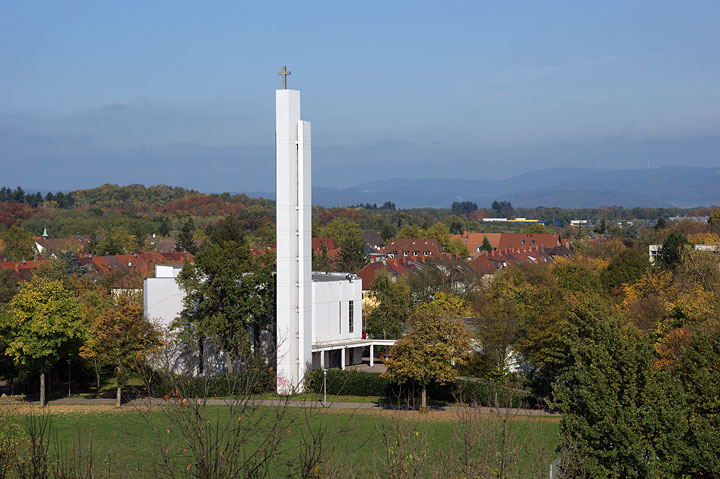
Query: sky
pixel 182 92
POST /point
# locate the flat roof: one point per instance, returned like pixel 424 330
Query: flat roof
pixel 329 277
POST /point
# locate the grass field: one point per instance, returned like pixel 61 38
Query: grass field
pixel 140 443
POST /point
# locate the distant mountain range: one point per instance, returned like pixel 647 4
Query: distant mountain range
pixel 672 186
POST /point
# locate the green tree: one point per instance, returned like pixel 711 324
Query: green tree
pixel 229 295
pixel 672 250
pixel 463 207
pixel 387 318
pixel 497 333
pixel 19 244
pixel 625 268
pixel 440 232
pixel 457 247
pixel 352 257
pixel 341 230
pixel 699 370
pixel 502 209
pixel 537 228
pixel 45 325
pixel 410 231
pixel 164 226
pixel 486 246
pixel 620 418
pixel 115 240
pixel 8 286
pixel 185 240
pixel 438 341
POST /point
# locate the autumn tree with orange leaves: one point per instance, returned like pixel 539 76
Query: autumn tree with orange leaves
pixel 121 337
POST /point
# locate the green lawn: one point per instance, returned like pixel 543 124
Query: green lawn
pixel 132 442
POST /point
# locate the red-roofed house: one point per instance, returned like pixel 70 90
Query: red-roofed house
pixel 504 241
pixel 413 248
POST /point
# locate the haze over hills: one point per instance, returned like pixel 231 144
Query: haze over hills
pixel 672 186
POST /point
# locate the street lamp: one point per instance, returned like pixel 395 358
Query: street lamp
pixel 325 387
pixel 69 376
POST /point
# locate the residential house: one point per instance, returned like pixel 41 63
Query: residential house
pixel 413 248
pixel 505 241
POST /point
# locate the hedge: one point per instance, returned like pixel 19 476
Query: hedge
pixel 359 383
pixel 256 381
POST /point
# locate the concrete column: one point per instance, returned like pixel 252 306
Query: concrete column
pixel 372 356
pixel 342 358
pixel 322 359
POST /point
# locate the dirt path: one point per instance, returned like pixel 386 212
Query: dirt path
pixel 448 413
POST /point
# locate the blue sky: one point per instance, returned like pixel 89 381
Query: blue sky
pixel 181 92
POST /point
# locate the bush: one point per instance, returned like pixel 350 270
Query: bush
pixel 349 383
pixel 254 381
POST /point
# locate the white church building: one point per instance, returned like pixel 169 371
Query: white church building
pixel 319 315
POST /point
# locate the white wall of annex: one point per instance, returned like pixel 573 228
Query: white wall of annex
pixel 163 300
pixel 330 298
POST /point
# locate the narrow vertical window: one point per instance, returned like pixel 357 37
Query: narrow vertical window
pixel 350 317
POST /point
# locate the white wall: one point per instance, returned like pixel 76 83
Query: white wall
pixel 330 299
pixel 162 296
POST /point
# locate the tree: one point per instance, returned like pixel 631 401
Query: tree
pixel 497 332
pixel 410 231
pixel 672 250
pixel 121 337
pixel 164 226
pixel 19 244
pixel 393 307
pixel 503 209
pixel 229 295
pixel 440 232
pixel 625 268
pixel 438 341
pixel 341 230
pixel 457 247
pixel 698 370
pixel 463 208
pixel 620 418
pixel 661 224
pixel 116 240
pixel 714 222
pixel 45 325
pixel 185 240
pixel 320 260
pixel 8 286
pixel 537 228
pixel 352 256
pixel 486 246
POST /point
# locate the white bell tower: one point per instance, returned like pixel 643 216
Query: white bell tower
pixel 294 237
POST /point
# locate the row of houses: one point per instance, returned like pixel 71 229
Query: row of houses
pixel 142 264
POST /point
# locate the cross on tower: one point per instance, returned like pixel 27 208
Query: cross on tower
pixel 284 73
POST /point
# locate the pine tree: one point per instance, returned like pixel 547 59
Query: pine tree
pixel 185 241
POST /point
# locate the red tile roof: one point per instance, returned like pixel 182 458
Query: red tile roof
pixel 413 248
pixel 393 266
pixel 504 241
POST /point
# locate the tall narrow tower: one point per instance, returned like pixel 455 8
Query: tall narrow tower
pixel 294 253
